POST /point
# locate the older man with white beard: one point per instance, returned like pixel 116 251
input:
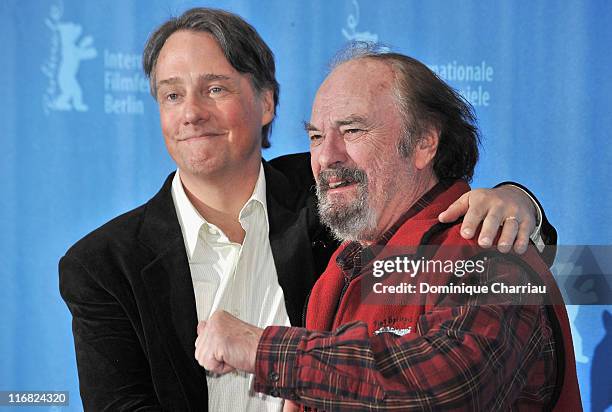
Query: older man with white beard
pixel 392 146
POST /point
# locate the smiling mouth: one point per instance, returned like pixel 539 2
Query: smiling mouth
pixel 342 183
pixel 201 136
pixel 341 178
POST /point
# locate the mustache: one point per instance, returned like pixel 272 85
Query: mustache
pixel 346 174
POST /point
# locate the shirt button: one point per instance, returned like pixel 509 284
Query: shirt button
pixel 274 377
pixel 235 312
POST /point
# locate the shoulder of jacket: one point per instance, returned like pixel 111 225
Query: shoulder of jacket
pixel 121 229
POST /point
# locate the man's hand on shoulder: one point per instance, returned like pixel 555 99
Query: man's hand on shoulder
pixel 506 206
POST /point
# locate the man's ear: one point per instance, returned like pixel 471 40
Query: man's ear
pixel 426 148
pixel 267 100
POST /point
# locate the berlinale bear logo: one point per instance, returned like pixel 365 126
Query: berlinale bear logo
pixel 64 91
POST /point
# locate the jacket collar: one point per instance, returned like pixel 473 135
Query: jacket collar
pixel 160 227
pixel 169 288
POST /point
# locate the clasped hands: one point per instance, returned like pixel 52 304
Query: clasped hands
pixel 225 343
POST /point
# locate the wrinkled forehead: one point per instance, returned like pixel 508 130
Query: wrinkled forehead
pixel 361 85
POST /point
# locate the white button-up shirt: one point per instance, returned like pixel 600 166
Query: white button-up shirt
pixel 240 279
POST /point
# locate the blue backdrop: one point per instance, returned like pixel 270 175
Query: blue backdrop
pixel 81 142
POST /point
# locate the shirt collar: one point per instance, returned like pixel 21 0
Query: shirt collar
pixel 258 195
pixel 190 219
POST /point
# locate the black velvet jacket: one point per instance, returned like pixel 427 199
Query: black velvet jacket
pixel 129 289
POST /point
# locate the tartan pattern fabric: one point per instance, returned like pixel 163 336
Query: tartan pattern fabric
pixel 460 358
